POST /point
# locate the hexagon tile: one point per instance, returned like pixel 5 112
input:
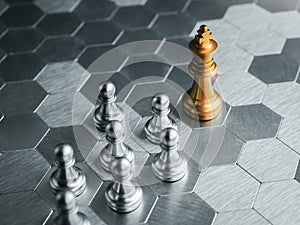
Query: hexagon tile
pixel 252 122
pixel 227 188
pixel 180 210
pixel 277 202
pixel 245 217
pixel 26 204
pixel 17 165
pixel 21 131
pixel 269 160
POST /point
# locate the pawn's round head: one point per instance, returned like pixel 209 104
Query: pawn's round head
pixel 65 200
pixel 169 137
pixel 107 90
pixel 121 168
pixel 114 131
pixel 160 102
pixel 64 153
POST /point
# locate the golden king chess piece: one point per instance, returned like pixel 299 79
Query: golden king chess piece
pixel 201 101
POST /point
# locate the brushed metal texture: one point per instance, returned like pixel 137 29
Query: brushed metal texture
pixel 268 43
pixel 229 149
pixel 245 217
pixel 277 202
pixel 283 98
pixel 240 88
pixel 21 170
pixel 286 23
pixel 22 131
pixel 22 208
pixel 172 209
pixel 64 109
pixel 289 133
pixel 57 6
pixel 227 188
pixel 251 122
pixel 61 77
pixel 269 160
pixel 257 17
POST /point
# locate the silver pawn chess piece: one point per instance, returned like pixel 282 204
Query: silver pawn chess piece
pixel 121 195
pixel 107 110
pixel 169 165
pixel 115 136
pixel 67 175
pixel 160 119
pixel 68 210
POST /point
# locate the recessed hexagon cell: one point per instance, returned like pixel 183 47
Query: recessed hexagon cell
pixel 59 24
pixel 93 183
pixel 21 131
pixel 60 48
pixel 21 67
pixel 89 34
pixel 176 213
pixel 291 50
pixel 25 204
pixel 110 217
pixel 279 6
pixel 274 68
pixel 214 146
pixel 21 97
pixel 252 122
pixel 133 17
pixel 31 38
pixel 21 170
pixel 21 15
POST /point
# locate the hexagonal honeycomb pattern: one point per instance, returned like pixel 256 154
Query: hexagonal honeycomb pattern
pixel 48 91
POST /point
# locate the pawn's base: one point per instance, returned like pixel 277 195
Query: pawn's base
pixel 169 172
pixel 78 219
pixel 123 202
pixel 77 185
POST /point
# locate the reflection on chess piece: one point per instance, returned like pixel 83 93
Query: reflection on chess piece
pixel 169 165
pixel 67 209
pixel 121 195
pixel 107 110
pixel 160 119
pixel 202 102
pixel 115 136
pixel 67 175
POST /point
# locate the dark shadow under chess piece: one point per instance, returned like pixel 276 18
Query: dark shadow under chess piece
pixel 67 209
pixel 160 119
pixel 107 110
pixel 115 136
pixel 121 195
pixel 170 165
pixel 67 175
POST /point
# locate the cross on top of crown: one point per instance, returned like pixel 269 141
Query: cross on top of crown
pixel 204 35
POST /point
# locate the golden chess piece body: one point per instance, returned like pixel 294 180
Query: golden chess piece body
pixel 201 101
